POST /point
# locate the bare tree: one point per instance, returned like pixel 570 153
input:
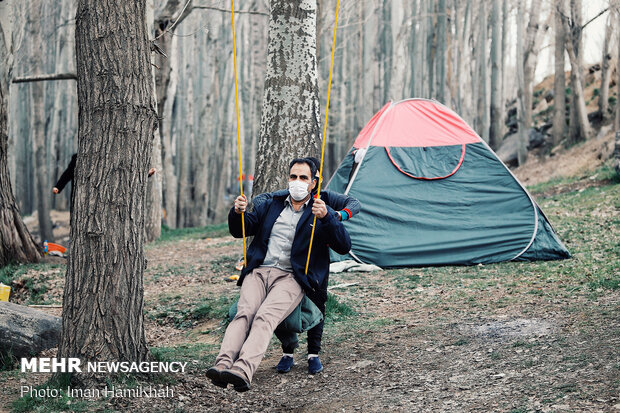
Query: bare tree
pixel 290 123
pixel 495 131
pixel 16 243
pixel 521 90
pixel 481 121
pixel 103 298
pixel 43 187
pixel 617 123
pixel 441 50
pixel 530 56
pixel 580 125
pixel 603 98
pixel 559 83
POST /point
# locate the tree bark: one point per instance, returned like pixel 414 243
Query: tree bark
pixel 617 122
pixel 43 186
pixel 495 131
pixel 581 113
pixel 153 206
pixel 442 64
pixel 166 129
pixel 574 33
pixel 559 83
pixel 290 123
pixel 430 47
pixel 521 90
pixel 530 56
pixel 16 243
pixel 481 124
pixel 171 13
pixel 603 98
pixel 103 298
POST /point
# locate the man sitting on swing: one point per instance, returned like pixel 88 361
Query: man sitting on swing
pixel 346 207
pixel 274 279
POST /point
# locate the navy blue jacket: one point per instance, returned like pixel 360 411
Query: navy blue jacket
pixel 329 233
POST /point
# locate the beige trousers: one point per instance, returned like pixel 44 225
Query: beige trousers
pixel 268 296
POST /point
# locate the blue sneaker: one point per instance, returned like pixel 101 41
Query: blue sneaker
pixel 285 364
pixel 314 365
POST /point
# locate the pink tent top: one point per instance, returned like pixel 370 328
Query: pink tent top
pixel 416 122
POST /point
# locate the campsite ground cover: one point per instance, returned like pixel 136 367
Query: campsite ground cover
pixel 509 337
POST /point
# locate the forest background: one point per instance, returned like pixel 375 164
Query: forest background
pixel 480 58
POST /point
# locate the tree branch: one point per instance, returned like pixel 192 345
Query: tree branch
pixel 41 78
pixel 259 13
pixel 594 18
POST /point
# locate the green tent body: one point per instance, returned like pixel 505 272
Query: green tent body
pixel 434 193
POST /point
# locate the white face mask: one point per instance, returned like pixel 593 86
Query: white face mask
pixel 298 190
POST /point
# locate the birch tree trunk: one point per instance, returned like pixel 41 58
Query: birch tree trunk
pixel 16 243
pixel 103 298
pixel 559 83
pixel 290 125
pixel 603 98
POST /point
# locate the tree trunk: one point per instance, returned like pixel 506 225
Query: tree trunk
pixel 152 223
pixel 530 56
pixel 103 298
pixel 290 125
pixel 166 129
pixel 482 126
pixel 385 52
pixel 16 243
pixel 617 123
pixel 441 51
pixel 430 48
pixel 603 99
pixel 574 34
pixel 617 153
pixel 581 113
pixel 559 83
pixel 412 48
pixel 504 52
pixel 521 116
pixel 495 131
pixel 43 186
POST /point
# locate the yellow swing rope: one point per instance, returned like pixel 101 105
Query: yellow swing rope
pixel 232 10
pixel 329 89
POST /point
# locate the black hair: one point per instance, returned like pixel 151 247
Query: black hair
pixel 315 161
pixel 306 161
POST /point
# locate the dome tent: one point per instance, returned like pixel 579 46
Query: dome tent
pixel 434 193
